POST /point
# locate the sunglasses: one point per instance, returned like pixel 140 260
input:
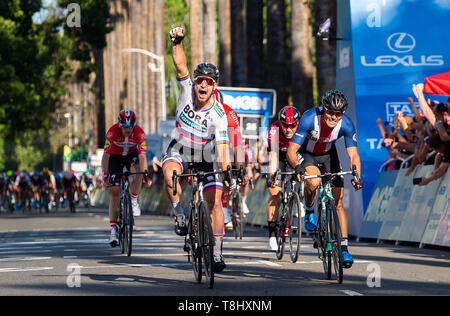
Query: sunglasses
pixel 127 125
pixel 291 126
pixel 209 81
pixel 335 113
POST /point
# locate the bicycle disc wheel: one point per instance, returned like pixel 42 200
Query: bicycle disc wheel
pixel 195 250
pixel 207 243
pixel 336 236
pixel 295 226
pixel 129 226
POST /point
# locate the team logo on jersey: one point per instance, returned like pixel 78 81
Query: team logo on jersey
pixel 355 138
pixel 143 145
pixel 107 144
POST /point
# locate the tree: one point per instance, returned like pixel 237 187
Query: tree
pixel 225 42
pixel 196 31
pixel 301 65
pixel 238 44
pixel 325 50
pixel 255 48
pixel 276 75
pixel 210 32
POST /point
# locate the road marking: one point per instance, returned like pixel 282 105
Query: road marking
pixel 26 259
pixel 351 293
pixel 269 263
pixel 25 269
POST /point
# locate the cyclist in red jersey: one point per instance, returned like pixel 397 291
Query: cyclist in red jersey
pixel 124 146
pixel 239 154
pixel 280 135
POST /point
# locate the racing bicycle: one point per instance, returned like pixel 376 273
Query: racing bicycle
pixel 125 221
pixel 199 241
pixel 328 235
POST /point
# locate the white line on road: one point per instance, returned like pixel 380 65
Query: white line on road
pixel 351 293
pixel 25 269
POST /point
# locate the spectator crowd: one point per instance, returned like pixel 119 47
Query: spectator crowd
pixel 421 139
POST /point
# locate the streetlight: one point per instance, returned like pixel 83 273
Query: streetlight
pixel 153 67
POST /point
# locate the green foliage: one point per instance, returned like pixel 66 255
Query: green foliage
pixel 90 36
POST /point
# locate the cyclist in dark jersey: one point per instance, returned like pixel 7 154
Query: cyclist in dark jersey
pixel 315 139
pixel 280 135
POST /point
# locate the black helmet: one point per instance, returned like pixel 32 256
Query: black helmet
pixel 207 70
pixel 288 115
pixel 334 100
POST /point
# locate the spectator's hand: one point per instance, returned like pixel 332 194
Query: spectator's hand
pixel 424 181
pixel 379 121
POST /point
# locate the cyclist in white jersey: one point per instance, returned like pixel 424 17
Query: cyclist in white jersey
pixel 202 138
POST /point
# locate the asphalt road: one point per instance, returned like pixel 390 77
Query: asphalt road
pixel 66 254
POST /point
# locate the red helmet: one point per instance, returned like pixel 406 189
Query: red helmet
pixel 127 118
pixel 288 115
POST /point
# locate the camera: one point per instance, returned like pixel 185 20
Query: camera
pixel 416 181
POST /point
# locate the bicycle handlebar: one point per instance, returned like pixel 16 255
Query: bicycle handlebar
pixel 199 174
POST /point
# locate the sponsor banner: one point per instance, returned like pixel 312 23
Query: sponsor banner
pixel 398 203
pixel 379 205
pixel 419 208
pixel 437 230
pixel 387 46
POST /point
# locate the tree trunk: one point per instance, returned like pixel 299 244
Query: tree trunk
pixel 196 32
pixel 325 50
pixel 255 49
pixel 159 50
pixel 276 50
pixel 209 31
pixel 225 42
pixel 302 66
pixel 238 44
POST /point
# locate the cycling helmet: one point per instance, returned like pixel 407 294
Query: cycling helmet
pixel 334 100
pixel 207 70
pixel 288 115
pixel 127 117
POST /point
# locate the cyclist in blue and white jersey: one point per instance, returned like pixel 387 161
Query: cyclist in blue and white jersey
pixel 202 138
pixel 315 139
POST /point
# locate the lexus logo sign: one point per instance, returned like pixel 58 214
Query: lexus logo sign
pixel 401 42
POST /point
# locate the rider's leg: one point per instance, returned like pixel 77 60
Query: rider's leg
pixel 338 195
pixel 272 215
pixel 177 211
pixel 311 186
pixel 136 186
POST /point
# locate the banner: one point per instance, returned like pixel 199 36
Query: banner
pixel 379 205
pixel 419 208
pixel 397 205
pixel 437 230
pixel 383 48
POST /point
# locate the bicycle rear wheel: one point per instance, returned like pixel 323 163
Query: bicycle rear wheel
pixel 207 242
pixel 295 226
pixel 336 237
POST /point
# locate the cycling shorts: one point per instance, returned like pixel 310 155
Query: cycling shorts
pixel 327 163
pixel 183 156
pixel 116 164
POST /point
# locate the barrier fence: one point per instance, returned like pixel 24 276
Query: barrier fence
pixel 401 211
pixel 397 211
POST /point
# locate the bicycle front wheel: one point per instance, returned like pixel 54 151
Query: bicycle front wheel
pixel 238 217
pixel 128 225
pixel 336 237
pixel 207 242
pixel 295 226
pixel 195 250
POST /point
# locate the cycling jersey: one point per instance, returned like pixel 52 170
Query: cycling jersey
pixel 317 138
pixel 198 128
pixel 117 144
pixel 277 141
